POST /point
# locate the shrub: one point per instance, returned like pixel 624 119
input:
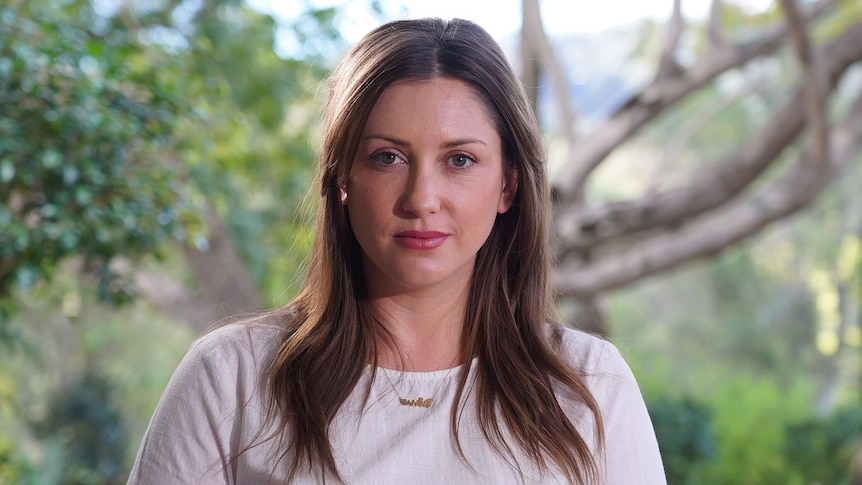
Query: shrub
pixel 685 435
pixel 821 449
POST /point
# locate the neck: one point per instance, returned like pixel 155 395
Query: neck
pixel 425 330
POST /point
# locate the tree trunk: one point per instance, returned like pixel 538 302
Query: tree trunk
pixel 222 286
pixel 586 314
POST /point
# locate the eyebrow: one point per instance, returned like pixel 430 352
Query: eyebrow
pixel 449 144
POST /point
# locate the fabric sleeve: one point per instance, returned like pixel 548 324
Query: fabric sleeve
pixel 631 450
pixel 194 430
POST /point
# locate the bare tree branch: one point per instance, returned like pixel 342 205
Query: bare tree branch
pixel 538 55
pixel 531 64
pixel 716 36
pixel 667 65
pixel 655 98
pixel 815 97
pixel 581 228
pixel 715 231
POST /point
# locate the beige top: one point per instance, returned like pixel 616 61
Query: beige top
pixel 212 409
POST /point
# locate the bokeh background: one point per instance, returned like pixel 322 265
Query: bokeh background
pixel 706 159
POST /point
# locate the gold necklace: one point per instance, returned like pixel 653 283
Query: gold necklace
pixel 419 402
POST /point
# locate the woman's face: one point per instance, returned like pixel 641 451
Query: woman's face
pixel 425 186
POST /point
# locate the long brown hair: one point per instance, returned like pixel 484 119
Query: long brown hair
pixel 330 329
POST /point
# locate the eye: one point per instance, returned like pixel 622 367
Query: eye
pixel 461 160
pixel 386 158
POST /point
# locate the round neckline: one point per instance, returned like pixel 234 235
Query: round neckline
pixel 423 375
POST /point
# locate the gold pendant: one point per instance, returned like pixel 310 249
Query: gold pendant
pixel 419 402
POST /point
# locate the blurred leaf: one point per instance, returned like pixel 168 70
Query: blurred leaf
pixel 85 160
pixel 685 435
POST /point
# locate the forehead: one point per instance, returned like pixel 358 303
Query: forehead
pixel 436 103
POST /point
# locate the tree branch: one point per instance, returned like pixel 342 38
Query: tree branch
pixel 531 67
pixel 655 98
pixel 538 55
pixel 715 231
pixel 815 97
pixel 716 36
pixel 667 65
pixel 582 228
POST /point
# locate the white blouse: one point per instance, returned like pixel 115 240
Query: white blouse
pixel 212 409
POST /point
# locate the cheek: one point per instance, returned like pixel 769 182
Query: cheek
pixel 481 208
pixel 366 199
pixel 367 209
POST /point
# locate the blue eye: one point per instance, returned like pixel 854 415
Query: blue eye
pixel 461 161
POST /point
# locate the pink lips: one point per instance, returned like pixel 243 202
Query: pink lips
pixel 421 239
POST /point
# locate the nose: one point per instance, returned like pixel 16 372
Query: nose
pixel 421 192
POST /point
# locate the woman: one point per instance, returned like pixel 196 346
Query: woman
pixel 419 348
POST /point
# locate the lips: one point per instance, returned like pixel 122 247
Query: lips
pixel 421 239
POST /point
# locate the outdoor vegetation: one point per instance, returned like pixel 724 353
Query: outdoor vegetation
pixel 707 176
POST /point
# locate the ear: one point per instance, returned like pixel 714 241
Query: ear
pixel 510 188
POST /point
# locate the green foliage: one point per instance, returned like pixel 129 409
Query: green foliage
pixel 822 448
pixel 13 467
pixel 235 62
pixel 773 322
pixel 131 350
pixel 750 417
pixel 124 123
pixel 843 16
pixel 759 435
pixel 123 127
pixel 725 334
pixel 249 134
pixel 85 137
pixel 90 431
pixel 685 436
pixel 737 336
pixel 727 426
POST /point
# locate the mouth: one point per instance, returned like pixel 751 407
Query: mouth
pixel 421 239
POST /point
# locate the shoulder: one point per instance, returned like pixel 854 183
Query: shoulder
pixel 215 390
pixel 228 360
pixel 587 353
pixel 605 370
pixel 230 356
pixel 631 453
pixel 227 350
pixel 253 338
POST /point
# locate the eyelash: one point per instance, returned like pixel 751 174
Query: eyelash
pixel 379 156
pixel 471 161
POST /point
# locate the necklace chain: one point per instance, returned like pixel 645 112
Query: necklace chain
pixel 419 402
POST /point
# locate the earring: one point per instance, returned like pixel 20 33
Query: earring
pixel 343 194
